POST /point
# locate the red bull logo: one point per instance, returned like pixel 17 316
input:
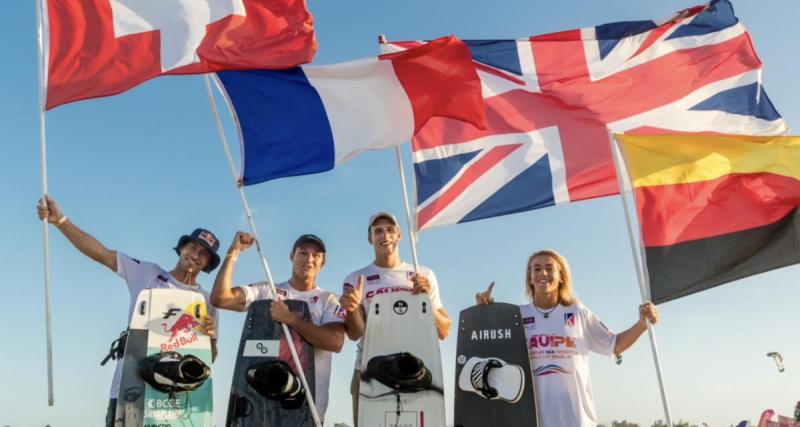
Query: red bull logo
pixel 185 324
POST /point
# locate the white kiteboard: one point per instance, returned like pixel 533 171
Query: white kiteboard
pixel 165 320
pixel 401 347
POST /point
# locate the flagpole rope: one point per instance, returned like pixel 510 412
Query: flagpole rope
pixel 412 235
pixel 644 285
pixel 251 222
pixel 45 234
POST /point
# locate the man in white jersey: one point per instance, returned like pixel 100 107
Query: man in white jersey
pixel 386 273
pixel 197 252
pixel 325 331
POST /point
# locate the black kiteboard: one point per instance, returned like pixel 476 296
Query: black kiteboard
pixel 494 386
pixel 260 370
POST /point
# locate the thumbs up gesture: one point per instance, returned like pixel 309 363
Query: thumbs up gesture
pixel 485 298
pixel 351 296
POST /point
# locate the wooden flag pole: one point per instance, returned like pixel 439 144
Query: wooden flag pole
pixel 644 285
pixel 45 237
pixel 265 266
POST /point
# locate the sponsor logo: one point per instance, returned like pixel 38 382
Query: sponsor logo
pixel 162 278
pixel 184 324
pixel 461 359
pixel 207 237
pixel 528 320
pixel 340 312
pixel 551 341
pixel 171 312
pixel 281 292
pixel 549 370
pixel 400 307
pixel 410 275
pixel 373 278
pixel 347 286
pixel 569 319
pixel 490 334
pixel 379 291
pixel 314 299
pixel 262 348
pixel 136 260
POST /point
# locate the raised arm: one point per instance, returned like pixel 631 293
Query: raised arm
pixel 223 295
pixel 625 339
pixel 82 241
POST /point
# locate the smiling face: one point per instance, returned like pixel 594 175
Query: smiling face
pixel 307 261
pixel 193 257
pixel 384 236
pixel 544 275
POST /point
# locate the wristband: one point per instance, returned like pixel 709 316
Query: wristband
pixel 60 221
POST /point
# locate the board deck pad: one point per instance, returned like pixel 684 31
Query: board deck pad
pixel 487 332
pixel 165 320
pixel 400 322
pixel 263 340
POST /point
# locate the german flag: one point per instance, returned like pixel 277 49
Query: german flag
pixel 713 209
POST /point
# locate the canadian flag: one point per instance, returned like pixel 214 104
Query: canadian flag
pixel 103 47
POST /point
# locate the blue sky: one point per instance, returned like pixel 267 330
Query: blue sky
pixel 140 169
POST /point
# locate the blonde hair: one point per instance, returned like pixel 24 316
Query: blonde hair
pixel 565 296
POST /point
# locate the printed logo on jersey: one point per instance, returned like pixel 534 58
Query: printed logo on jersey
pixel 569 319
pixel 373 278
pixel 410 275
pixel 136 260
pixel 528 321
pixel 379 291
pixel 347 286
pixel 314 299
pixel 162 278
pixel 549 370
pixel 281 292
pixel 551 341
pixel 400 307
pixel 340 312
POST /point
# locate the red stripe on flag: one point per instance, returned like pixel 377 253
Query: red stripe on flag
pixel 671 214
pixel 440 80
pixel 471 174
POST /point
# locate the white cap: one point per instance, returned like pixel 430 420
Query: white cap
pixel 380 215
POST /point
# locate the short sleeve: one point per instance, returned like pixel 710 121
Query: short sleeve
pixel 334 313
pixel 435 299
pixel 137 274
pixel 599 338
pixel 254 292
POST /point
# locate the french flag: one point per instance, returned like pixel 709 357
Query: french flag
pixel 310 119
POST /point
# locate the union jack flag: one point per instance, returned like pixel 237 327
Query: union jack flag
pixel 552 99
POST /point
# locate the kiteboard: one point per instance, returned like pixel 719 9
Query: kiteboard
pixel 166 347
pixel 266 390
pixel 401 368
pixel 494 386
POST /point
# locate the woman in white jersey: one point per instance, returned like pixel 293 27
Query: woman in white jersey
pixel 561 332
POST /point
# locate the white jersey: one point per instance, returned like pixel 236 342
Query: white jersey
pixel 379 280
pixel 559 347
pixel 324 308
pixel 141 275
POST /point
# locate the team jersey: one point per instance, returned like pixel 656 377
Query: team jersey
pixel 380 280
pixel 141 275
pixel 324 308
pixel 559 347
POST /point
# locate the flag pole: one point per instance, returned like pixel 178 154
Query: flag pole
pixel 45 236
pixel 412 234
pixel 251 222
pixel 644 285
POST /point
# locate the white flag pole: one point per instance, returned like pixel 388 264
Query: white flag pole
pixel 644 281
pixel 412 234
pixel 43 154
pixel 268 274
